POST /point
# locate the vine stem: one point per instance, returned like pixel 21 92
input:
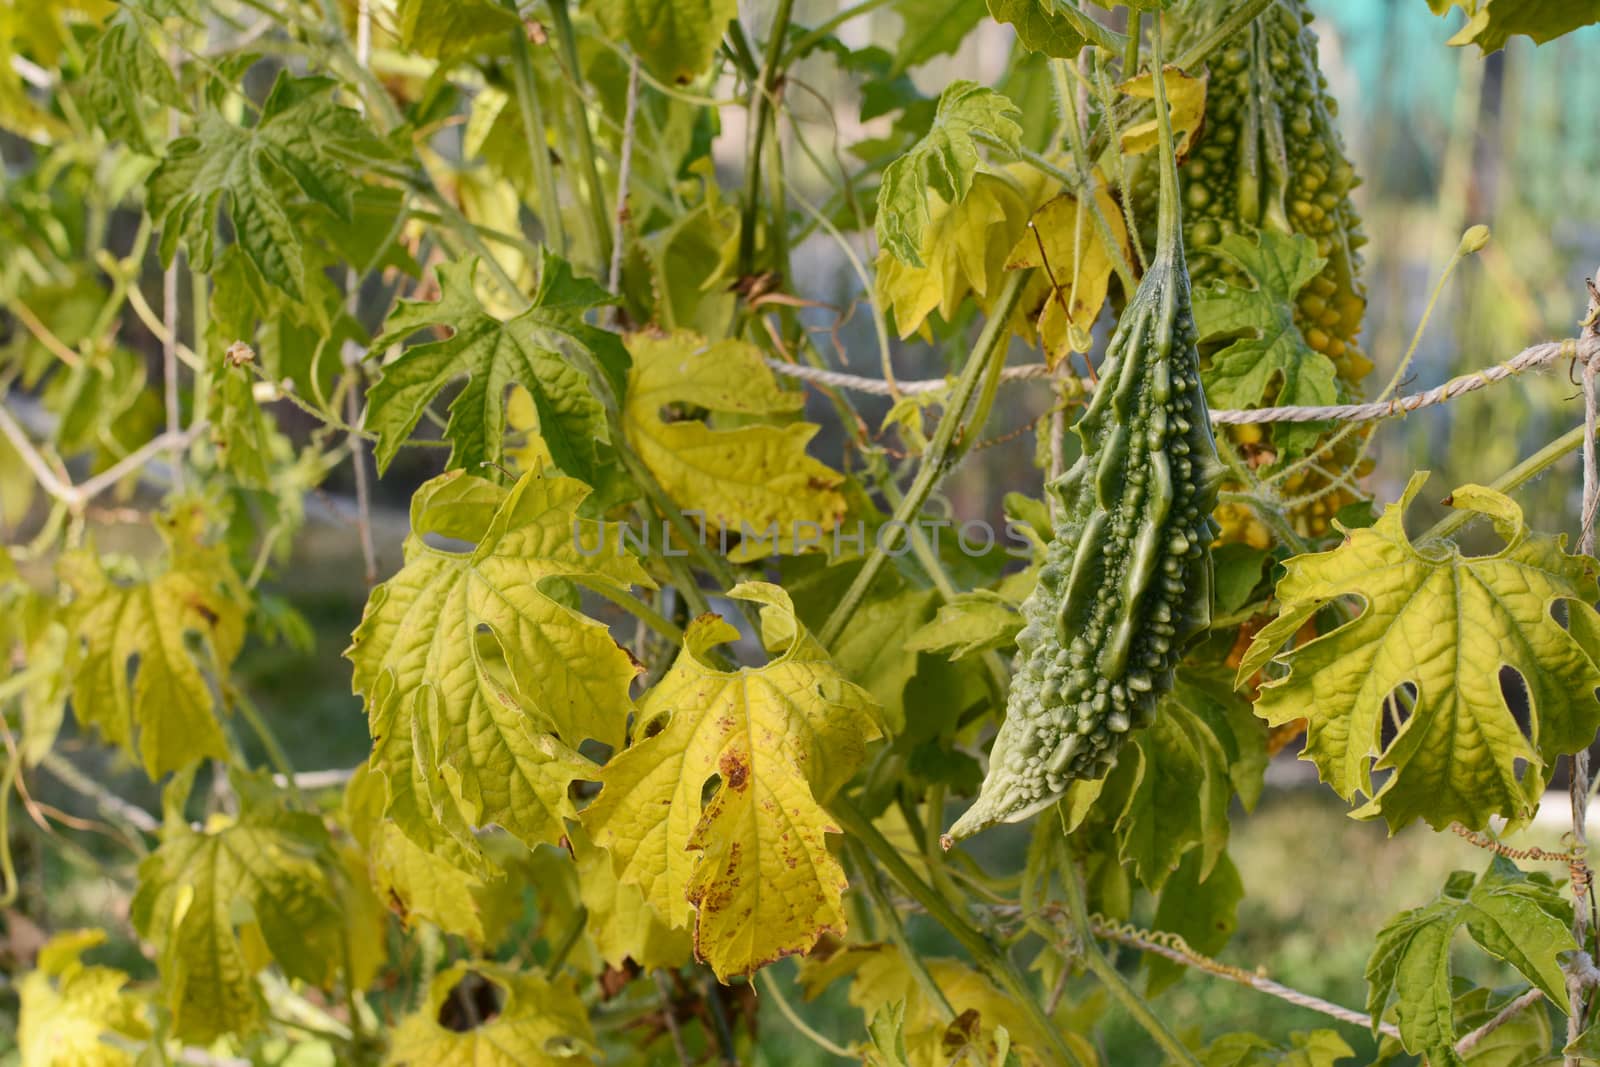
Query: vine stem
pixel 941 455
pixel 897 935
pixel 1109 976
pixel 769 985
pixel 760 112
pixel 1470 1041
pixel 1224 31
pixel 1514 478
pixel 1578 782
pixel 858 828
pixel 531 108
pixel 75 497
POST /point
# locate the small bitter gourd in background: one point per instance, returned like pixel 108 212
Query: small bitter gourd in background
pixel 1269 156
pixel 1126 582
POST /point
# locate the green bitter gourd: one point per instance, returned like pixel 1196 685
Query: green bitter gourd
pixel 1269 156
pixel 1126 582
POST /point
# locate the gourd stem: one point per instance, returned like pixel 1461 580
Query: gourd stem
pixel 897 934
pixel 940 456
pixel 1168 239
pixel 1201 49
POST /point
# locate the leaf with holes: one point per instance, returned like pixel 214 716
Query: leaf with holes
pixel 165 705
pixel 1513 916
pixel 545 349
pixel 1443 627
pixel 483 1014
pixel 752 864
pixel 752 480
pixel 478 682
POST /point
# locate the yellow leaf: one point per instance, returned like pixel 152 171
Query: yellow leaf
pixel 964 248
pixel 1079 263
pixel 754 479
pixel 1186 101
pixel 521 415
pixel 622 926
pixel 753 862
pixel 169 701
pixel 67 1005
pixel 485 1014
pixel 478 682
pixel 879 978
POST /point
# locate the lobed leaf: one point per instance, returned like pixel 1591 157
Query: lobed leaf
pixel 751 862
pixel 1443 626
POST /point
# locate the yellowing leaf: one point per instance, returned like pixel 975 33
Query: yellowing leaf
pixel 478 683
pixel 1445 625
pixel 676 39
pixel 1491 23
pixel 1079 263
pixel 411 881
pixel 753 860
pixel 445 31
pixel 943 163
pixel 168 703
pixel 622 926
pixel 67 1005
pixel 484 1014
pixel 1186 103
pixel 521 415
pixel 211 900
pixel 752 480
pixel 880 979
pixel 963 251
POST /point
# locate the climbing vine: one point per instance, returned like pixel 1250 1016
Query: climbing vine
pixel 691 706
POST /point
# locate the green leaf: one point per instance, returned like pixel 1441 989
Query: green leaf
pixel 1272 363
pixel 305 147
pixel 933 29
pixel 753 479
pixel 1491 23
pixel 1446 624
pixel 1525 1039
pixel 622 924
pixel 534 349
pixel 1515 917
pixel 969 623
pixel 1237 569
pixel 1316 1048
pixel 1202 911
pixel 478 682
pixel 752 861
pixel 124 75
pixel 458 28
pixel 1042 26
pixel 67 1005
pixel 944 161
pixel 219 903
pixel 167 701
pixel 1178 797
pixel 675 39
pixel 530 1021
pixel 886 1037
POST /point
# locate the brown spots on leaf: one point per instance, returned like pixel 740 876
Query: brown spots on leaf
pixel 735 770
pixel 613 980
pixel 397 904
pixel 202 609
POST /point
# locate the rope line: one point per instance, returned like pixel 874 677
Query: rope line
pixel 1535 358
pixel 1174 948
